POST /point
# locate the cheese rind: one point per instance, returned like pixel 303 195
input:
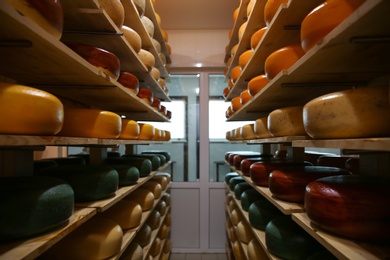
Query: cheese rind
pixel 286 121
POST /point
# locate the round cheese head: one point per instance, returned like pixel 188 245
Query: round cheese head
pixel 286 121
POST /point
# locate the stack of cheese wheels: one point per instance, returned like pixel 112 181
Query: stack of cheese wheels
pixel 130 129
pixel 257 37
pixel 353 113
pixel 289 184
pixel 105 61
pixel 235 158
pixel 129 81
pixel 352 206
pixel 270 9
pixel 132 37
pixel 256 84
pixel 287 121
pixel 318 23
pixel 143 197
pixel 48 14
pixel 29 205
pixel 261 128
pixel 282 59
pixel 93 123
pixel 127 214
pixel 29 111
pixel 98 238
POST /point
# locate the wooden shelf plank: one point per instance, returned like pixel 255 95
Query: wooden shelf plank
pixel 32 248
pixel 340 247
pixel 366 144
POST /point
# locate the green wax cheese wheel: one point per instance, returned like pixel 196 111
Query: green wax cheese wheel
pixel 248 197
pixel 69 161
pixel 230 175
pixel 143 165
pixel 286 239
pixel 240 188
pixel 156 161
pixel 43 163
pixel 113 154
pixel 163 159
pixel 30 205
pixel 128 175
pixel 165 153
pixel 89 182
pixel 261 212
pixel 85 156
pixel 234 181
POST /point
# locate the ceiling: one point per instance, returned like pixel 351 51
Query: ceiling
pixel 196 14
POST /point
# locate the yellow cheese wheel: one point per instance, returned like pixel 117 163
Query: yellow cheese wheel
pixel 282 59
pixel 261 128
pixel 249 7
pixel 155 73
pixel 146 131
pixel 30 111
pixel 134 252
pixel 235 13
pixel 132 37
pixel 167 135
pixel 270 9
pixel 127 214
pixel 156 45
pixel 353 113
pixel 238 252
pixel 91 123
pixel 167 246
pixel 130 129
pixel 248 132
pixel 143 197
pixel 98 238
pixel 257 37
pixel 244 58
pixel 286 121
pixel 115 11
pixel 241 30
pixel 160 179
pixel 255 251
pixel 144 235
pixel 256 84
pixel 163 232
pixel 238 133
pixel 154 187
pixel 147 59
pixel 244 232
pixel 154 219
pixel 166 175
pixel 236 216
pixel 157 134
pixel 156 247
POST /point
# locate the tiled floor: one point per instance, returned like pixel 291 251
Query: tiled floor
pixel 198 256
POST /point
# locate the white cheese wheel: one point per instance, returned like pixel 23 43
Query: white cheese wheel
pixel 261 128
pixel 130 129
pixel 154 187
pixel 156 45
pixel 91 123
pixel 98 238
pixel 143 197
pixel 133 38
pixel 146 131
pixel 26 110
pixel 147 59
pixel 286 121
pixel 148 24
pixel 244 232
pixel 353 113
pixel 127 214
pixel 248 132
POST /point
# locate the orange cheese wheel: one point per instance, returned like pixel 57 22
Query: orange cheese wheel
pixel 324 18
pixel 146 131
pixel 256 84
pixel 244 58
pixel 233 50
pixel 241 30
pixel 165 37
pixel 256 37
pixel 286 121
pixel 92 123
pixel 132 37
pixel 245 96
pixel 26 110
pixel 235 13
pixel 282 59
pixel 130 129
pixel 261 128
pixel 236 103
pixel 270 9
pixel 235 73
pixel 226 92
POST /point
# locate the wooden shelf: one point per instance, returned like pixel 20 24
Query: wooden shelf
pixel 340 247
pixel 275 140
pixel 32 248
pixel 365 144
pixel 353 54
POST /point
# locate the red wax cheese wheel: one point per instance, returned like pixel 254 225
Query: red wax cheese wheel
pixel 247 162
pixel 287 121
pixel 352 113
pixel 352 206
pixel 324 18
pixel 260 171
pixel 257 37
pixel 104 60
pixel 92 123
pixel 256 84
pixel 30 111
pixel 289 184
pixel 238 158
pixel 282 59
pixel 130 81
pixel 48 14
pixel 146 95
pixel 241 155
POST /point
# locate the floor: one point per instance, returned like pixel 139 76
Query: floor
pixel 188 256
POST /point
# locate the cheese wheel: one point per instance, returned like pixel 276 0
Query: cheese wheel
pixel 286 121
pixel 245 96
pixel 154 219
pixel 146 131
pixel 154 187
pixel 255 251
pixel 351 206
pixel 240 188
pixel 156 45
pixel 261 128
pixel 235 73
pixel 132 37
pixel 92 123
pixel 103 60
pixel 147 59
pixel 29 205
pixel 162 207
pixel 236 103
pixel 155 248
pixel 130 129
pixel 244 232
pixel 270 9
pixel 115 11
pixel 333 161
pixel 256 84
pixel 168 219
pixel 165 174
pixel 146 95
pixel 241 30
pixel 248 197
pixel 128 175
pixel 236 216
pixel 247 162
pixel 324 18
pixel 48 14
pixel 282 59
pixel 248 132
pixel 235 13
pixel 225 92
pixel 127 214
pixel 353 113
pixel 261 212
pixel 148 24
pixel 144 235
pixel 155 72
pixel 165 37
pixel 134 252
pixel 140 5
pixel 129 81
pixel 233 51
pixel 238 252
pixel 257 37
pixel 230 175
pixel 160 179
pixel 143 197
pixel 233 160
pixel 163 232
pixel 155 159
pixel 97 238
pixel 244 58
pixel 144 165
pixel 238 158
pixel 45 111
pixel 167 246
pixel 249 7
